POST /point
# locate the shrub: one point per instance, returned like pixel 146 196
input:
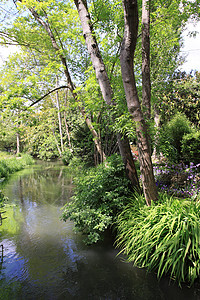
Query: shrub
pixel 171 136
pixel 67 156
pixel 190 147
pixel 163 237
pixel 100 194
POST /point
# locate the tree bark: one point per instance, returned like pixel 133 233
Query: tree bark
pixel 131 173
pixel 104 83
pixel 60 152
pixel 18 143
pixel 66 125
pixel 59 117
pixel 94 52
pixel 126 58
pixel 146 82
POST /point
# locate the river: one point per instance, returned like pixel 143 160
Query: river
pixel 44 259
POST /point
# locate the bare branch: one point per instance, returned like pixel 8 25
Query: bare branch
pixel 41 98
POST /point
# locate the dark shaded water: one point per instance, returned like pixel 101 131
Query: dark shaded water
pixel 44 259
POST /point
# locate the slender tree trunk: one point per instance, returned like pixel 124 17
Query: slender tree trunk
pixel 131 173
pixel 59 118
pixel 104 82
pixel 146 82
pixel 45 24
pixel 155 155
pixel 67 131
pixel 18 143
pixel 126 58
pixel 66 125
pixel 94 51
pixel 60 152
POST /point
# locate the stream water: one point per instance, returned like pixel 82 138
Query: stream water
pixel 44 259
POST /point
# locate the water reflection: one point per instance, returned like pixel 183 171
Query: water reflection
pixel 45 259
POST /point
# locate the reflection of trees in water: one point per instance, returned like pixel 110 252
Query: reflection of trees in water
pixel 1 256
pixel 53 186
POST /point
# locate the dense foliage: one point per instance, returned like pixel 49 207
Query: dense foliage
pixel 100 194
pixel 164 237
pixel 190 147
pixel 171 135
pixel 181 94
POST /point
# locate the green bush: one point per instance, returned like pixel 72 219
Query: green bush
pixel 163 238
pixel 67 156
pixel 171 135
pixel 191 147
pixel 100 194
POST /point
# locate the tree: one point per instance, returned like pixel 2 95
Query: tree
pixel 146 82
pixel 133 103
pixel 105 86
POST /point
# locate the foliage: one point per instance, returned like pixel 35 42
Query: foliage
pixel 67 156
pixel 171 135
pixel 41 136
pixel 13 164
pixel 178 179
pixel 82 140
pixel 2 199
pixel 100 194
pixel 181 94
pixel 164 237
pixel 190 147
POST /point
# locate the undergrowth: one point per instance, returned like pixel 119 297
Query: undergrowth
pixel 164 238
pixel 11 164
pixel 100 194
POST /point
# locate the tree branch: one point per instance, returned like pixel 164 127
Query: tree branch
pixel 41 98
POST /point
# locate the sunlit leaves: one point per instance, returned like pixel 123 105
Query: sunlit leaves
pixel 181 94
pixel 163 238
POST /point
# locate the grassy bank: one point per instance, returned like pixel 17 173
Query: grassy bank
pixel 10 164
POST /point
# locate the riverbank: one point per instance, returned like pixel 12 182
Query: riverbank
pixel 10 164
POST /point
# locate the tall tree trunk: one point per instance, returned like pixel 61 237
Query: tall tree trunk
pixel 146 82
pixel 18 143
pixel 131 173
pixel 60 152
pixel 66 125
pixel 104 82
pixel 45 24
pixel 59 117
pixel 126 58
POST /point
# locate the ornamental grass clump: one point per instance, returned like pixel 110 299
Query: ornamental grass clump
pixel 164 238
